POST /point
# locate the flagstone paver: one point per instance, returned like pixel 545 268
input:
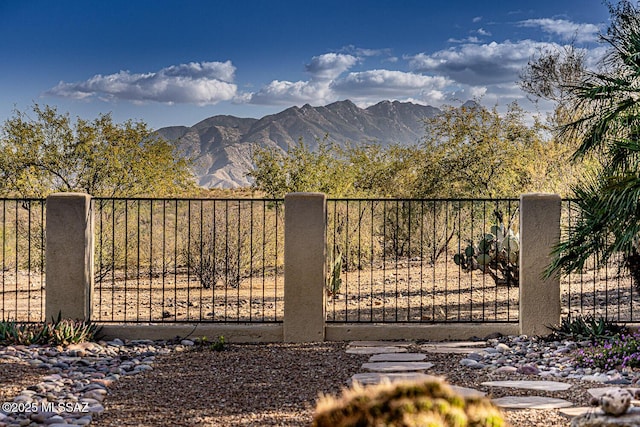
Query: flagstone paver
pixel 397 366
pixel 381 343
pixel 531 402
pixel 398 357
pixel 467 392
pixel 456 344
pixel 375 350
pixel 378 377
pixel 530 385
pixel 454 348
pixel 391 361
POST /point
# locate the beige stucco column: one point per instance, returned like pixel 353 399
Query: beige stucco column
pixel 69 256
pixel 304 267
pixel 539 232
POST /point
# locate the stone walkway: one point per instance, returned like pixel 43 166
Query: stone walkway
pixel 391 360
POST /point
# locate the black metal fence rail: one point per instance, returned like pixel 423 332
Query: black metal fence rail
pixel 178 260
pixel 601 292
pixel 393 261
pixel 22 260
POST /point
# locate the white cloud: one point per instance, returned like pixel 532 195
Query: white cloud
pixel 323 70
pixel 287 93
pixel 387 81
pixel 201 83
pixel 330 65
pixel 363 52
pixel 364 87
pixel 483 32
pixel 375 85
pixel 477 19
pixel 479 65
pixel 566 30
pixel 471 39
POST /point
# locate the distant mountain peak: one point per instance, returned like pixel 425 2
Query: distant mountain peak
pixel 222 145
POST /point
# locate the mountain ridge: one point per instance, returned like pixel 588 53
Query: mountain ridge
pixel 222 145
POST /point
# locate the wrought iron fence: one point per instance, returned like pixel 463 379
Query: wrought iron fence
pixel 393 261
pixel 602 292
pixel 23 248
pixel 221 260
pixel 178 260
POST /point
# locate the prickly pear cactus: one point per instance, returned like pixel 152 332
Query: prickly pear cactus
pixel 405 404
pixel 496 253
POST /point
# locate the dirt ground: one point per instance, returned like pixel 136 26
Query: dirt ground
pixel 406 291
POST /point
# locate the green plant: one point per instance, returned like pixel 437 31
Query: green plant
pixel 218 345
pixel 605 123
pixel 98 157
pixel 496 253
pixel 334 281
pixel 22 333
pixel 421 403
pixel 69 331
pixel 58 332
pixel 581 328
pixel 621 351
pixel 204 343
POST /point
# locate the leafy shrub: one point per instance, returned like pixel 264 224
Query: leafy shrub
pixel 621 351
pixel 582 328
pixel 422 403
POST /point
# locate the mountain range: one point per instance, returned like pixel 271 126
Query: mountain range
pixel 222 145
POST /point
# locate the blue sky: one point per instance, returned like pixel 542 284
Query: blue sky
pixel 178 62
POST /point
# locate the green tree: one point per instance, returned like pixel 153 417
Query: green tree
pixel 367 170
pixel 471 151
pixel 51 153
pixel 607 125
pixel 300 168
pixel 380 171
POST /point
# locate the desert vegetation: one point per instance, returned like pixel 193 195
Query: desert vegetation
pixel 389 206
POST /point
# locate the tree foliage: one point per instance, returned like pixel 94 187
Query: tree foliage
pixel 340 171
pixel 50 153
pixel 553 71
pixel 300 169
pixel 607 125
pixel 469 151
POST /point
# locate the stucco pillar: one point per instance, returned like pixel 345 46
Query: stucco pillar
pixel 539 232
pixel 304 267
pixel 69 256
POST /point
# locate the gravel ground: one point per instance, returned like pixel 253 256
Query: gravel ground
pixel 277 385
pixel 16 376
pixel 245 385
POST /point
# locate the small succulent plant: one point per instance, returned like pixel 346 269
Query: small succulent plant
pixel 57 332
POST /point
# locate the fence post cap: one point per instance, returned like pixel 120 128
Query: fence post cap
pixel 69 194
pixel 540 195
pixel 305 195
